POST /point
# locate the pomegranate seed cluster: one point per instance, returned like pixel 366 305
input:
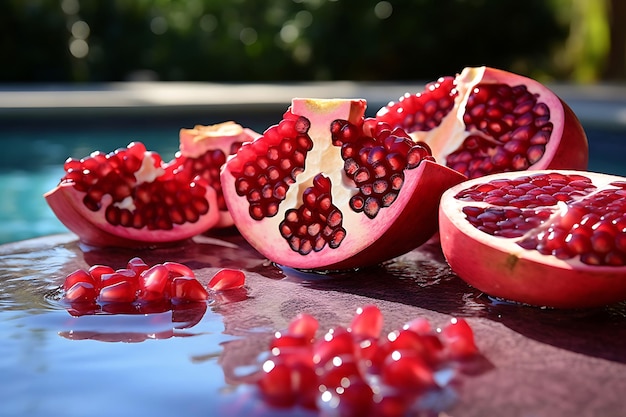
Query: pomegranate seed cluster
pixel 272 164
pixel 556 214
pixel 593 229
pixel 354 371
pixel 422 111
pixel 141 288
pixel 375 157
pixel 514 128
pixel 316 223
pixel 207 166
pixel 158 204
pixel 530 191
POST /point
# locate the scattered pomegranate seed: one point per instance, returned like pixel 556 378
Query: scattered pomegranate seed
pixel 227 279
pixel 355 372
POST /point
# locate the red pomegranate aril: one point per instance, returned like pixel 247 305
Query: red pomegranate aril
pixel 288 340
pixel 187 289
pixel 120 275
pixel 334 373
pixel 80 292
pixel 227 279
pixel 122 291
pixel 78 276
pixel 336 342
pixel 153 283
pixel 407 370
pixel 410 341
pixel 96 272
pixel 352 400
pixel 277 384
pixel 458 338
pixel 304 325
pixel 367 322
pixel 177 269
pixel 137 265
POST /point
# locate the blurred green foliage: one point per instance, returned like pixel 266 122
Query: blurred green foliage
pixel 288 40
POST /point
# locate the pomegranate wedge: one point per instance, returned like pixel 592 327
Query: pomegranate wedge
pixel 203 152
pixel 130 198
pixel 485 121
pixel 328 189
pixel 546 238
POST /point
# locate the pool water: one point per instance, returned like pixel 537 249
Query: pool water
pixel 32 163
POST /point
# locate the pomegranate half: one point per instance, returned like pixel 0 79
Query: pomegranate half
pixel 552 238
pixel 130 198
pixel 203 151
pixel 485 121
pixel 328 189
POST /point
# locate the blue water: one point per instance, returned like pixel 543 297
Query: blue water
pixel 31 164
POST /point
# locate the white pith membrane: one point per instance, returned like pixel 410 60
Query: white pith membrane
pixel 94 229
pixel 510 245
pixel 323 158
pixel 451 133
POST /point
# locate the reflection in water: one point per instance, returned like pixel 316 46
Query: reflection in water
pixel 124 327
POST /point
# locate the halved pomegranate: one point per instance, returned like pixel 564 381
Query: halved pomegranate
pixel 485 121
pixel 203 151
pixel 328 189
pixel 130 198
pixel 546 238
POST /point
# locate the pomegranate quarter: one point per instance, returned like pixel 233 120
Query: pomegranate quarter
pixel 328 189
pixel 545 238
pixel 485 121
pixel 203 151
pixel 130 198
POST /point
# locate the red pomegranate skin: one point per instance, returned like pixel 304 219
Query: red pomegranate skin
pixel 509 269
pixel 486 120
pixel 410 220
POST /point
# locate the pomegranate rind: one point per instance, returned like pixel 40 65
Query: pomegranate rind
pixel 409 222
pixel 93 229
pixel 202 138
pixel 566 149
pixel 197 141
pixel 501 268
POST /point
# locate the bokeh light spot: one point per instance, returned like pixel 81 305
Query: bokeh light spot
pixel 383 9
pixel 79 48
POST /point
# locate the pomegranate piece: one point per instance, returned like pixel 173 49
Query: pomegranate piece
pixel 328 189
pixel 485 121
pixel 187 289
pixel 130 198
pixel 331 373
pixel 138 288
pixel 203 152
pixel 304 325
pixel 227 279
pixel 547 238
pixel 81 292
pixel 367 322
